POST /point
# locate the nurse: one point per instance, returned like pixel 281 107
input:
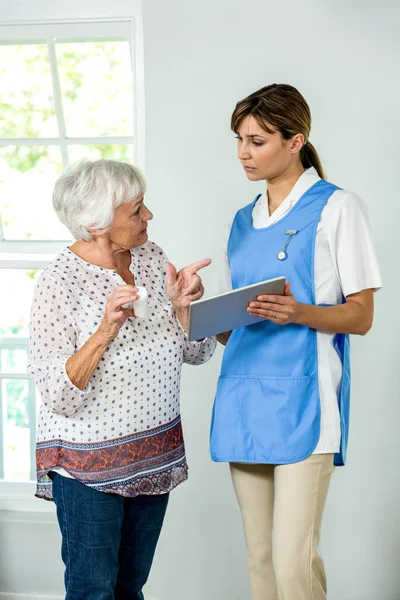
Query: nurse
pixel 281 412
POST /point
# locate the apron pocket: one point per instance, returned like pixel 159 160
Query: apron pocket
pixel 265 420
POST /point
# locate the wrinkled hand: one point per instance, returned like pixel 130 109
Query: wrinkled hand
pixel 184 286
pixel 114 315
pixel 278 309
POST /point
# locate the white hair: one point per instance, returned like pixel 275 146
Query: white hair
pixel 86 195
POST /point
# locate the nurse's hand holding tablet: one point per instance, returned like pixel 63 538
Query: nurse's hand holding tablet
pixel 278 309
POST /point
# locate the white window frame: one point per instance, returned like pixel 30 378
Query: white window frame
pixel 33 254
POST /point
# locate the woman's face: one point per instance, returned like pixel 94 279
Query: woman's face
pixel 264 155
pixel 129 228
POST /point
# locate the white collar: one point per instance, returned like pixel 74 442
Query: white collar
pixel 302 185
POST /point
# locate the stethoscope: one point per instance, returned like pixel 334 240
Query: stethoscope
pixel 282 255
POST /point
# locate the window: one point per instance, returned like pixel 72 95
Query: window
pixel 67 91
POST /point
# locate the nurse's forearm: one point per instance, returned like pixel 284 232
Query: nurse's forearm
pixel 353 317
pixel 223 338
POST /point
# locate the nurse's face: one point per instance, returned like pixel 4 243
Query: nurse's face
pixel 263 155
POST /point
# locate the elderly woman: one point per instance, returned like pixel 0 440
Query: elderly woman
pixel 110 445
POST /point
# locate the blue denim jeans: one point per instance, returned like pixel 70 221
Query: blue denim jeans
pixel 108 541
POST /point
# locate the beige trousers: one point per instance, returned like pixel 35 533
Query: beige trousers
pixel 282 507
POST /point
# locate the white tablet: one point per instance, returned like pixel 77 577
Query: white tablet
pixel 228 311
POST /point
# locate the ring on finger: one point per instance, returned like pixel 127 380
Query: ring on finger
pixel 274 315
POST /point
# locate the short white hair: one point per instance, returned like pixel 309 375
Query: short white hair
pixel 87 193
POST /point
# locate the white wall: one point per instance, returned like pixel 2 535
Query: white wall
pixel 200 58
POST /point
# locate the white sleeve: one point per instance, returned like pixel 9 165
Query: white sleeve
pixel 221 276
pixel 348 231
pixel 52 341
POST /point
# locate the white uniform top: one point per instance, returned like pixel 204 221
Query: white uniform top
pixel 345 263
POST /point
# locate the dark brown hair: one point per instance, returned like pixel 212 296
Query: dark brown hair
pixel 283 107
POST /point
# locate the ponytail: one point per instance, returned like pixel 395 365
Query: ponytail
pixel 309 158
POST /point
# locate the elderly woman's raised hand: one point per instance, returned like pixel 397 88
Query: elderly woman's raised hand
pixel 184 286
pixel 114 315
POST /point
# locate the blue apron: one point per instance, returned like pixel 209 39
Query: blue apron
pixel 267 405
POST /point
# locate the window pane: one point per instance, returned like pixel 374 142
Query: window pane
pixel 96 88
pixel 16 287
pixel 27 177
pixel 17 435
pixel 26 92
pixel 12 360
pixel 121 152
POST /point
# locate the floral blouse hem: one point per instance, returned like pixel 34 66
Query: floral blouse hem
pixel 153 484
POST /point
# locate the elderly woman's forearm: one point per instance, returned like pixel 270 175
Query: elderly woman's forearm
pixel 182 314
pixel 81 366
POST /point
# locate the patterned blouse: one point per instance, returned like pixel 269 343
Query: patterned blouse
pixel 123 433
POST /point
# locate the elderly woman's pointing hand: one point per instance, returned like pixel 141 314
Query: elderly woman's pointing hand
pixel 185 286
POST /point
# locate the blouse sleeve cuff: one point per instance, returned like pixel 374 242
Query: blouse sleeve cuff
pixel 186 337
pixel 72 386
